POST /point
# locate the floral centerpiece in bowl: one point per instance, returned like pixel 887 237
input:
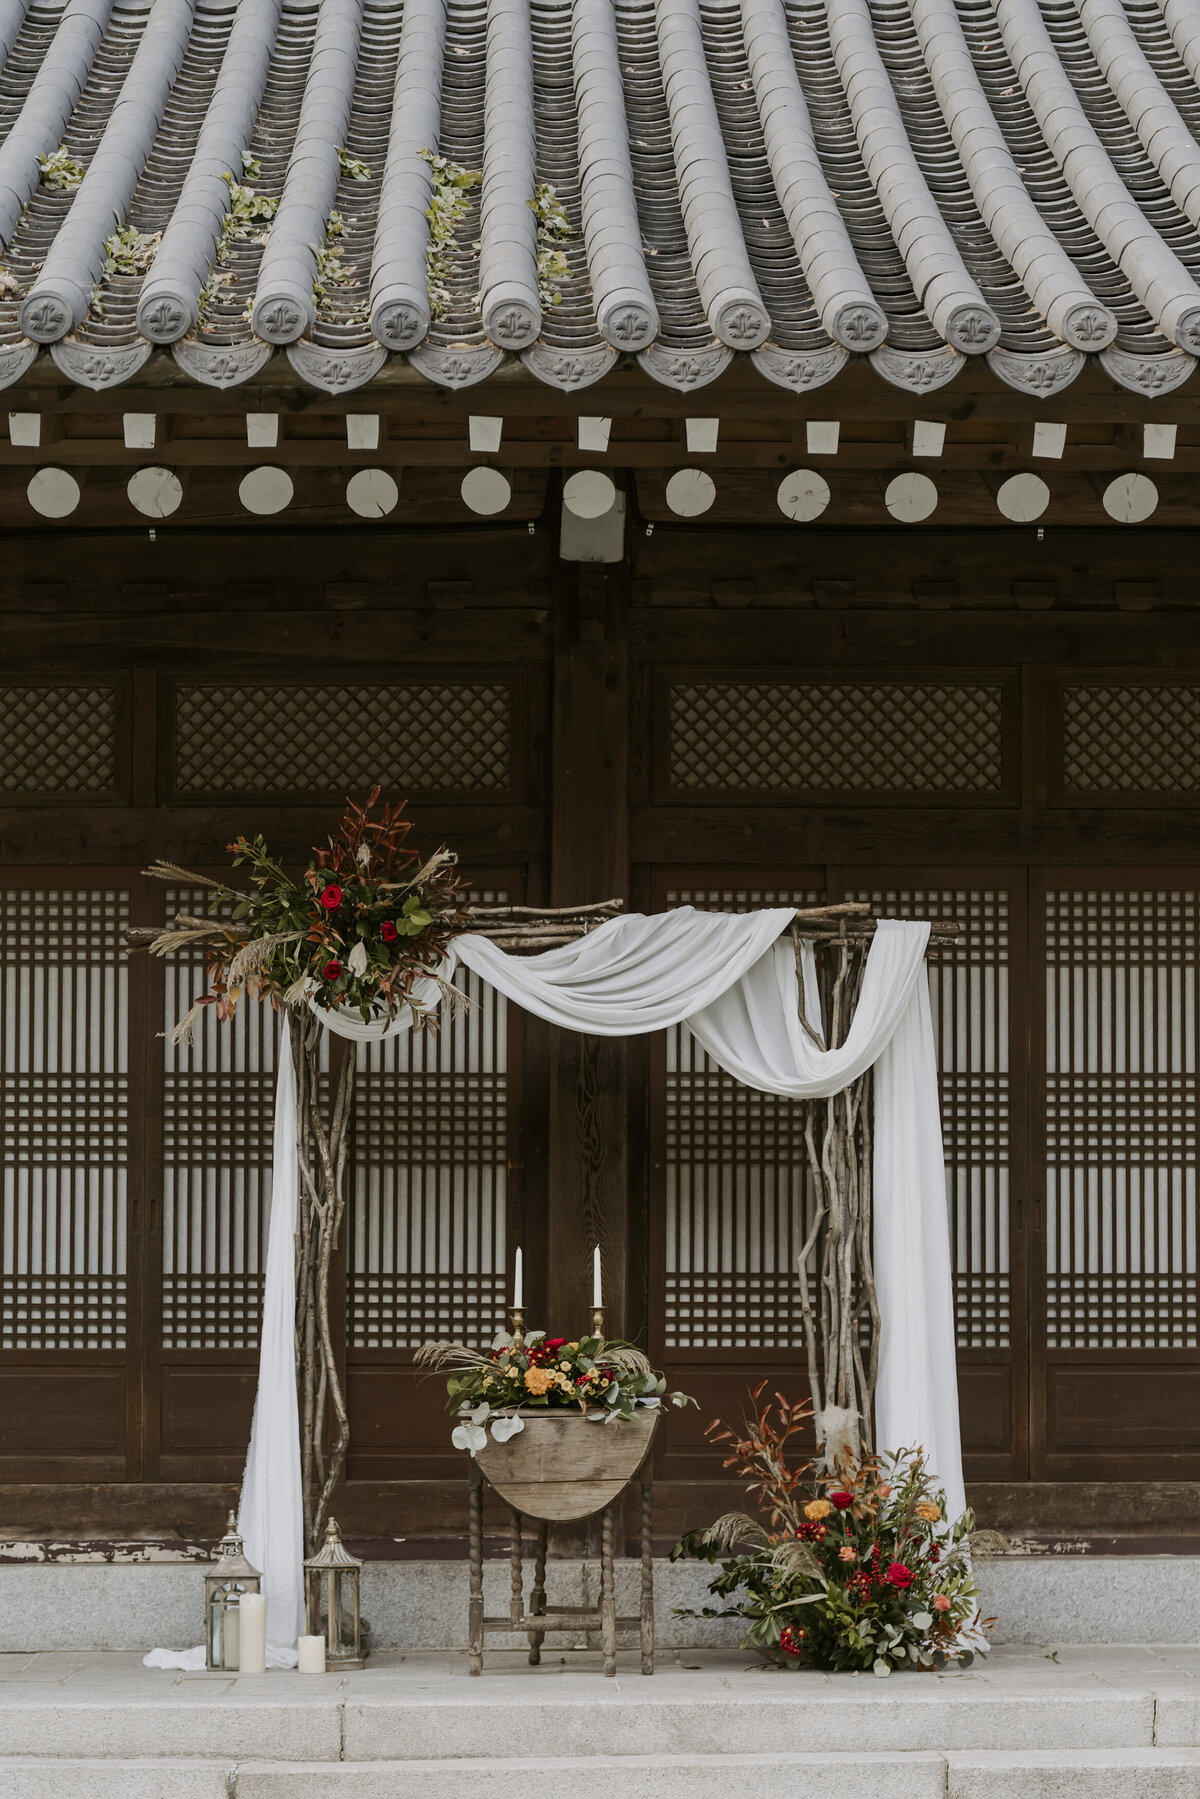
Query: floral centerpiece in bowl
pixel 528 1411
pixel 855 1568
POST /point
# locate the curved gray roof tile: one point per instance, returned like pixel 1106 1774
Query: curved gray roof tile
pixel 800 179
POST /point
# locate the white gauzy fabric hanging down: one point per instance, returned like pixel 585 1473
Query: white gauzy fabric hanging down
pixel 731 977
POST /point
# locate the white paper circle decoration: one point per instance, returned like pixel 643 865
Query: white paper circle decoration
pixel 372 493
pixel 1022 498
pixel 53 492
pixel 155 492
pixel 266 490
pixel 803 495
pixel 486 490
pixel 690 492
pixel 1130 499
pixel 589 493
pixel 910 498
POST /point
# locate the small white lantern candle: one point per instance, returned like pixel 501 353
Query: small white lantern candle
pixel 519 1280
pixel 252 1634
pixel 311 1651
pixel 597 1297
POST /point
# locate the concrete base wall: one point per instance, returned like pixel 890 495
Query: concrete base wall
pixel 423 1605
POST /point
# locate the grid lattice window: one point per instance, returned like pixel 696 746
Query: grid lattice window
pixel 1121 739
pixel 298 739
pixel 738 1197
pixel 64 1099
pixel 845 737
pixel 218 1110
pixel 1122 1005
pixel 58 739
pixel 428 1234
pixel 968 992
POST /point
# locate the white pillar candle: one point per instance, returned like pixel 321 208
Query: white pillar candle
pixel 311 1651
pixel 230 1641
pixel 252 1634
pixel 597 1299
pixel 518 1280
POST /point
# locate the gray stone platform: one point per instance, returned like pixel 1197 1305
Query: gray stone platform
pixel 1026 1723
pixel 423 1604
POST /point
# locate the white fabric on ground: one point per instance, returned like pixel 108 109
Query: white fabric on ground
pixel 731 977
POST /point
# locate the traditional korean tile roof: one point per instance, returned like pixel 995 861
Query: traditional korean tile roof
pixel 799 181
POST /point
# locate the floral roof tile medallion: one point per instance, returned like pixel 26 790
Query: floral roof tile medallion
pixel 685 369
pixel 1045 374
pixel 336 371
pixel 460 367
pixel 919 372
pixel 1148 375
pixel 568 369
pixel 221 365
pixel 99 368
pixel 799 370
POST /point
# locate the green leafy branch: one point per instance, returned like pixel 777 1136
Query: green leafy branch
pixel 449 204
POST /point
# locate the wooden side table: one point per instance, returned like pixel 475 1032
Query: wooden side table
pixel 539 1619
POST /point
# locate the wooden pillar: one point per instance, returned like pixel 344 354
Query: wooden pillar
pixel 588 1159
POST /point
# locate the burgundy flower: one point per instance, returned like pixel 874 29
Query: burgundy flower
pixel 899 1576
pixel 387 931
pixel 843 1501
pixel 331 899
pixel 332 971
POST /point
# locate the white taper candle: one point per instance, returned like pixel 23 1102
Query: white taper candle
pixel 597 1297
pixel 518 1280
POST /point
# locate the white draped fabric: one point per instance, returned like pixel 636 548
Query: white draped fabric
pixel 732 978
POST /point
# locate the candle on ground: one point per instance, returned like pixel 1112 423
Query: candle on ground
pixel 311 1651
pixel 597 1298
pixel 252 1634
pixel 519 1280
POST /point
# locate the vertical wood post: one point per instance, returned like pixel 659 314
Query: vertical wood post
pixel 588 1161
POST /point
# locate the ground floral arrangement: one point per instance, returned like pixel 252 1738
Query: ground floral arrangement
pixel 854 1569
pixel 365 922
pixel 605 1379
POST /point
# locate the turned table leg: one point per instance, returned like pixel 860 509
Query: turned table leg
pixel 647 1577
pixel 537 1599
pixel 516 1604
pixel 608 1598
pixel 475 1540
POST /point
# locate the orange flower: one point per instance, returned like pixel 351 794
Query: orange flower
pixel 538 1380
pixel 816 1509
pixel 941 1602
pixel 930 1512
pixel 847 1554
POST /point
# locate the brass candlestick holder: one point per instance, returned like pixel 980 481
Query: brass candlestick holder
pixel 517 1315
pixel 598 1322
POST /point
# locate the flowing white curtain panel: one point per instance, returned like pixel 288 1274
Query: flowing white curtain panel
pixel 731 977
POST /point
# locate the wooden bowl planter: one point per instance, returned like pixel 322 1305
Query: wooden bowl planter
pixel 561 1467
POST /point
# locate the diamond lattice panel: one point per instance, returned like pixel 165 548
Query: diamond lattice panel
pixel 58 739
pixel 293 739
pixel 1131 739
pixel 968 992
pixel 850 737
pixel 1122 1009
pixel 737 1195
pixel 64 1102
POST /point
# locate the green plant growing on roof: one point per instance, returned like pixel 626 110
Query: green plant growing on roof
pixel 130 251
pixel 247 208
pixel 449 204
pixel 351 166
pixel 61 170
pixel 553 230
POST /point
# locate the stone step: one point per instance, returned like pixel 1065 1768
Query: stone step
pixel 1142 1773
pixel 286 1720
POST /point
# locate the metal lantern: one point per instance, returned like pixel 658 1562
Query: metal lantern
pixel 231 1576
pixel 331 1601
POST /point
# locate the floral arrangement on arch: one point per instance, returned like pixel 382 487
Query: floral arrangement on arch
pixel 855 1568
pixel 365 922
pixel 605 1379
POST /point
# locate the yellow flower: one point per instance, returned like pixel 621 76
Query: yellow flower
pixel 930 1512
pixel 816 1509
pixel 539 1380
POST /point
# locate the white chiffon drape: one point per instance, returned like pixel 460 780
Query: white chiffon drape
pixel 732 978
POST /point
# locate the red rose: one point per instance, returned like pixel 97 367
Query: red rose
pixel 554 1342
pixel 332 971
pixel 331 899
pixel 899 1576
pixel 843 1501
pixel 387 931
